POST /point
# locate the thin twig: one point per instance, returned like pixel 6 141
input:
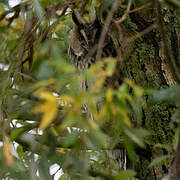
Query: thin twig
pixel 140 8
pixel 140 34
pixel 105 29
pixel 125 14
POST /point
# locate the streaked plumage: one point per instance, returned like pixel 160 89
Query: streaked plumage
pixel 84 40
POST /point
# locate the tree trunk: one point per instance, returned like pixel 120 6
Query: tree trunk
pixel 146 64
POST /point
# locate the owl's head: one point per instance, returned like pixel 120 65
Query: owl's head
pixel 84 36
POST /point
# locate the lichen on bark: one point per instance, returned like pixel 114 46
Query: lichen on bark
pixel 144 66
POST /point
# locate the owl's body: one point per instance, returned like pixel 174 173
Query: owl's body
pixel 83 43
pixel 84 39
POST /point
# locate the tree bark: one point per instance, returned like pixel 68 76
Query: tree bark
pixel 146 64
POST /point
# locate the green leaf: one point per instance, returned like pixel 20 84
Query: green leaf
pixel 137 135
pixel 20 151
pixel 107 4
pixel 129 145
pixel 171 95
pixel 17 132
pixel 4 2
pixel 44 166
pixel 64 177
pixel 138 91
pixel 6 80
pixel 38 9
pixel 1 112
pixel 159 160
pixel 110 66
pixel 176 139
pixel 45 72
pixel 72 138
pixel 164 146
pixel 98 139
pixel 125 175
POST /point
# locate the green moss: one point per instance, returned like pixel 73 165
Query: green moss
pixel 157 122
pixel 135 65
pixel 143 66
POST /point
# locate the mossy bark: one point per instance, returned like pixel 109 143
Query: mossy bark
pixel 146 65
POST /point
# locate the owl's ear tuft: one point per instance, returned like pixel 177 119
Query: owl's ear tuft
pixel 96 22
pixel 75 19
pixel 95 19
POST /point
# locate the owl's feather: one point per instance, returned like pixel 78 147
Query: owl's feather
pixel 84 40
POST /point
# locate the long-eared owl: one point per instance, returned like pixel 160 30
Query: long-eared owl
pixel 83 49
pixel 84 40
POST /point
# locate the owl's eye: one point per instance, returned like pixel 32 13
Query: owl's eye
pixel 83 34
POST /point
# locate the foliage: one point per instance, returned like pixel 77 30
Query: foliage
pixel 41 117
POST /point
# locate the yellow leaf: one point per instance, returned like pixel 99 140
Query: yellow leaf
pixel 63 150
pixel 7 153
pixel 60 25
pixel 42 84
pixel 18 24
pixel 49 108
pixel 93 124
pixel 129 82
pixel 98 3
pixel 4 22
pixel 53 130
pixel 125 116
pixel 101 114
pixel 1 9
pixel 67 98
pixel 97 75
pixel 109 95
pixel 111 64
